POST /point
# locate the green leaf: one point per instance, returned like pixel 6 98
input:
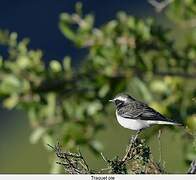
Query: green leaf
pixel 47 139
pixel 11 102
pixel 51 98
pixel 96 146
pixel 55 66
pixel 65 27
pixel 10 84
pixel 139 89
pixel 67 63
pixel 104 90
pixel 23 62
pixel 37 135
pixel 94 107
pixel 158 86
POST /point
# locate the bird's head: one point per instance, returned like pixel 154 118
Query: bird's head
pixel 122 99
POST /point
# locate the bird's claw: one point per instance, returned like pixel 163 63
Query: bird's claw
pixel 132 139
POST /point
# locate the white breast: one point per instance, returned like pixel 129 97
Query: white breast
pixel 131 123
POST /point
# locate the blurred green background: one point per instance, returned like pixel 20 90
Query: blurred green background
pixel 20 156
pixel 47 96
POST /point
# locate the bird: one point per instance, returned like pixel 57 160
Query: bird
pixel 136 115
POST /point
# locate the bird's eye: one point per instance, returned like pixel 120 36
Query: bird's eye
pixel 118 102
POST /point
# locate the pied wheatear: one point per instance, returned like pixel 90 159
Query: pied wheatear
pixel 136 115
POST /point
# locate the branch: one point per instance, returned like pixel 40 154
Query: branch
pixel 137 160
pixel 129 153
pixel 179 74
pixel 192 169
pixel 159 6
pixel 61 85
pixel 140 153
pixel 189 23
pixel 73 163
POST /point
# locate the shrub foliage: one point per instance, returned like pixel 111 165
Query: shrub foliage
pixel 153 62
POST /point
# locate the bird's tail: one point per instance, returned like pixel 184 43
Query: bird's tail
pixel 167 123
pixel 173 123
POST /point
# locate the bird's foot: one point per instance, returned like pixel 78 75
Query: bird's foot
pixel 133 139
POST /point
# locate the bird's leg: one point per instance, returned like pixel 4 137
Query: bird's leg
pixel 137 134
pixel 133 139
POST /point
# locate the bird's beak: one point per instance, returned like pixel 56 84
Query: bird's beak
pixel 111 100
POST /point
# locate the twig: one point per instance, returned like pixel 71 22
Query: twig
pixel 157 167
pixel 159 141
pixel 104 169
pixel 192 169
pixel 103 157
pixel 137 152
pixel 179 74
pixel 128 154
pixel 191 23
pixel 133 145
pixel 64 164
pixel 73 163
pixel 159 6
pixel 84 161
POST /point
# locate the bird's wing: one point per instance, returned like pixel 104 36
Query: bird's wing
pixel 150 114
pixel 132 110
pixel 139 110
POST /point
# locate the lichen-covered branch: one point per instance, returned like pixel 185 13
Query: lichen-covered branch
pixel 73 163
pixel 137 160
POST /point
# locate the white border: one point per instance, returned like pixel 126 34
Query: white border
pixel 95 177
